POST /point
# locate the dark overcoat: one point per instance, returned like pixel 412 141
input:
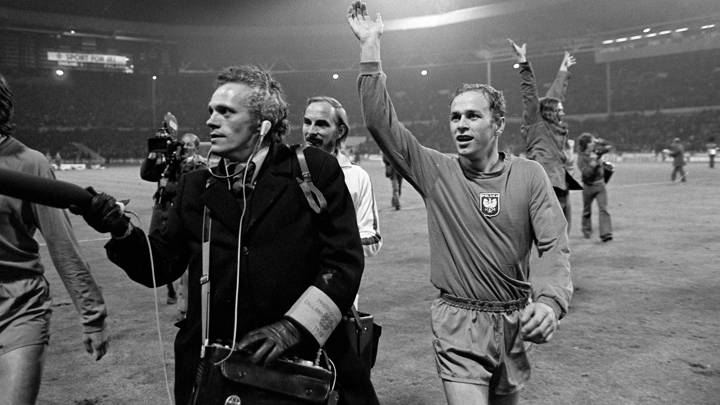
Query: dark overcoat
pixel 284 248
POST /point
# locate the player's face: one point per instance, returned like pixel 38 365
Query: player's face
pixel 319 127
pixel 472 126
pixel 233 130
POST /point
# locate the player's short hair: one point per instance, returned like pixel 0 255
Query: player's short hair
pixel 340 113
pixel 494 97
pixel 7 107
pixel 267 101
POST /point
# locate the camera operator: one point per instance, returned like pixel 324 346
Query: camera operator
pixel 165 165
pixel 594 178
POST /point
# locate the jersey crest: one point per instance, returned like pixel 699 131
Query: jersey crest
pixel 490 204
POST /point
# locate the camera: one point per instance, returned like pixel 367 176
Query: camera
pixel 601 147
pixel 164 139
pixel 164 142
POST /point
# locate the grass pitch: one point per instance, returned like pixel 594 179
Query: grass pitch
pixel 642 328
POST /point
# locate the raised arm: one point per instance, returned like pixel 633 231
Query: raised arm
pixel 412 160
pixel 558 89
pixel 528 86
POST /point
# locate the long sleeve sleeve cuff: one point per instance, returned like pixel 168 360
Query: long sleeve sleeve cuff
pixel 317 313
pixel 370 68
pixel 559 313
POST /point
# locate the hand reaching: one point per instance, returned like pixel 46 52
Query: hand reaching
pixel 568 60
pixel 104 214
pixel 364 28
pixel 520 51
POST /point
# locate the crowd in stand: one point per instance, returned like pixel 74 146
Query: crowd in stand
pixel 113 115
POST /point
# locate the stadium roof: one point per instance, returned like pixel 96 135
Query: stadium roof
pixel 518 18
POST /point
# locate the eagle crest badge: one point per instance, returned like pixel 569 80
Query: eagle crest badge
pixel 490 204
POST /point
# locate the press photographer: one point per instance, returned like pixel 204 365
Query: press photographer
pixel 595 174
pixel 168 159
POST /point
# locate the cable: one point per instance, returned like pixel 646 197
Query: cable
pixel 239 246
pixel 157 314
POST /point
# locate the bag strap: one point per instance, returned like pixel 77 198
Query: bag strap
pixel 205 282
pixel 313 195
pixel 356 316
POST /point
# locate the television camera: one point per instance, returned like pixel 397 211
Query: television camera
pixel 167 153
pixel 166 144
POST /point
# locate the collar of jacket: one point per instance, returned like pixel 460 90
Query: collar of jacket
pixel 343 160
pixel 271 182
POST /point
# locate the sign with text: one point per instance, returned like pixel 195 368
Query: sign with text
pixel 91 61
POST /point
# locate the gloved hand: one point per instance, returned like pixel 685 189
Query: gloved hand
pixel 271 341
pixel 104 214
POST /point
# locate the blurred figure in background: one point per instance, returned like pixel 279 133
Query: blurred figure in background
pixel 677 152
pixel 712 151
pixel 592 169
pixel 546 133
pixel 25 302
pixel 166 167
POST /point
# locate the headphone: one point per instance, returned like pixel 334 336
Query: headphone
pixel 264 129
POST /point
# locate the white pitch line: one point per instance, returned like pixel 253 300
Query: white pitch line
pixel 641 184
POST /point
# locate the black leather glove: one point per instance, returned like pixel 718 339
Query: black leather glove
pixel 104 214
pixel 269 342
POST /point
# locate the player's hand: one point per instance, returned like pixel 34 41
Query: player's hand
pixel 538 322
pixel 519 51
pixel 568 60
pixel 271 341
pixel 364 28
pixel 96 343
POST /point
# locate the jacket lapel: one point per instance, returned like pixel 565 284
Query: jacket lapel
pixel 272 183
pixel 274 178
pixel 222 203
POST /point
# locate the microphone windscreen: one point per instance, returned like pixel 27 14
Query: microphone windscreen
pixel 41 190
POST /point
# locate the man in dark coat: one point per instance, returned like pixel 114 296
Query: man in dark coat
pixel 280 275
